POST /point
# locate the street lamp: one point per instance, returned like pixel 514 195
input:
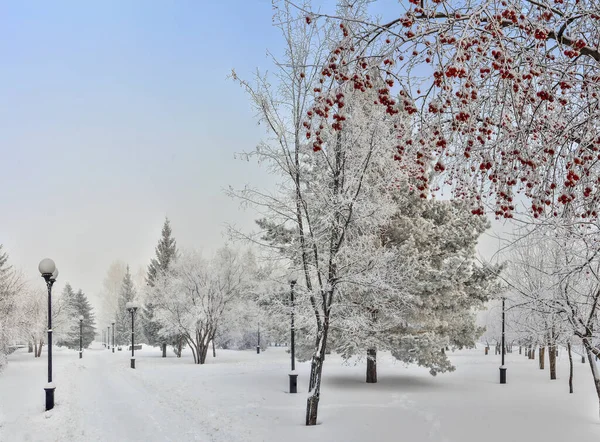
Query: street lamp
pixel 49 272
pixel 258 342
pixel 132 306
pixel 80 337
pixel 502 367
pixel 108 337
pixel 113 326
pixel 292 279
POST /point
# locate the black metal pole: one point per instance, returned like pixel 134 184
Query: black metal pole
pixel 50 387
pixel 132 340
pixel 502 367
pixel 113 329
pixel 80 338
pixel 293 375
pixel 258 341
pixel 293 349
pixel 108 337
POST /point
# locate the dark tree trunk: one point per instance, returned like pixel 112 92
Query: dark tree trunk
pixel 164 350
pixel 371 366
pixel 35 352
pixel 39 348
pixel 29 347
pixel 486 350
pixel 213 348
pixel 520 350
pixel 542 353
pixel 313 369
pixel 552 359
pixel 570 368
pixel 593 366
pixel 312 404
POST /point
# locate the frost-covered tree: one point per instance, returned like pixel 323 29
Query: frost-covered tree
pixel 192 299
pixel 166 254
pixel 504 94
pixel 559 285
pixel 335 191
pixel 111 287
pixel 436 309
pixel 123 317
pixel 12 287
pixel 78 305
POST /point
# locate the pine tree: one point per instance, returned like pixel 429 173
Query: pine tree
pixel 78 305
pixel 166 253
pixel 84 308
pixel 123 317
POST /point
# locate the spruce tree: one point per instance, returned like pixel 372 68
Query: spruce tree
pixel 123 317
pixel 166 253
pixel 78 305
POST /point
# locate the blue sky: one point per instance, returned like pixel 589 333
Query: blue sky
pixel 117 113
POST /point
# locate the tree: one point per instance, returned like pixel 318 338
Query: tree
pixel 78 305
pixel 565 298
pixel 12 287
pixel 166 254
pixel 123 317
pixel 446 285
pixel 192 299
pixel 111 287
pixel 504 94
pixel 335 192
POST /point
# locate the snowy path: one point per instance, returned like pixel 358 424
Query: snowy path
pixel 241 396
pixel 115 404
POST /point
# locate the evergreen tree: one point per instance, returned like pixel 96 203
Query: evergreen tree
pixel 65 333
pixel 166 253
pixel 78 305
pixel 123 317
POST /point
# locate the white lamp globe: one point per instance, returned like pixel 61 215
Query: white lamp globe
pixel 46 266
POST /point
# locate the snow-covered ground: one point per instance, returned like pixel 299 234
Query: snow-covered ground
pixel 242 396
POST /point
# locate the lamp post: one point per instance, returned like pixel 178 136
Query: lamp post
pixel 108 337
pixel 502 367
pixel 258 342
pixel 292 279
pixel 49 272
pixel 113 327
pixel 132 307
pixel 80 337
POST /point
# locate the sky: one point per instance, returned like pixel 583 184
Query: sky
pixel 116 114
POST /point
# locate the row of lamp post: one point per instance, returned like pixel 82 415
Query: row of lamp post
pixel 49 272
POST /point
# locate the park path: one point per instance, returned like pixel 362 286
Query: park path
pixel 98 398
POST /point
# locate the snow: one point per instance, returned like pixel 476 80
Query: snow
pixel 242 396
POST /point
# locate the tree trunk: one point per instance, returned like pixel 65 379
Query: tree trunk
pixel 594 368
pixel 312 404
pixel 486 350
pixel 520 350
pixel 29 347
pixel 213 348
pixel 583 359
pixel 542 353
pixel 552 358
pixel 372 366
pixel 570 368
pixel 313 369
pixel 164 350
pixel 35 353
pixel 532 354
